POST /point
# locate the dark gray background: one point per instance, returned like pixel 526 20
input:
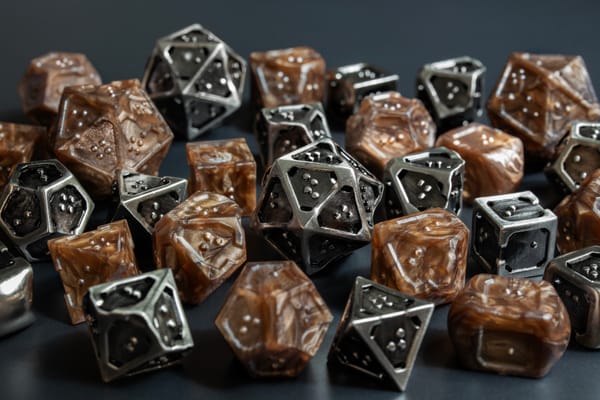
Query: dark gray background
pixel 53 358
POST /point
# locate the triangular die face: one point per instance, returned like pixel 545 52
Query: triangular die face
pixel 236 70
pixel 194 35
pixel 351 351
pixel 160 79
pixel 372 299
pixel 289 114
pixel 133 183
pixel 322 152
pixel 186 61
pixel 275 207
pixel 213 79
pixel 551 62
pixel 340 212
pixel 203 113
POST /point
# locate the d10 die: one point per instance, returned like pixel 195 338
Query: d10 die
pixel 317 205
pixel 380 332
pixel 348 85
pixel 424 180
pixel 286 128
pixel 137 324
pixel 452 91
pixel 578 156
pixel 195 79
pixel 16 292
pixel 513 234
pixel 42 200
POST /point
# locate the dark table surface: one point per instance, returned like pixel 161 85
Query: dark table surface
pixel 53 359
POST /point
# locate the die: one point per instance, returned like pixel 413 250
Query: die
pixel 137 324
pixel 195 79
pixel 419 181
pixel 452 91
pixel 16 292
pixel 317 205
pixel 18 144
pixel 513 235
pixel 380 332
pixel 42 200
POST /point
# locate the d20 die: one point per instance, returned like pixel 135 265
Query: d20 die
pixel 317 205
pixel 94 257
pixel 266 292
pixel 18 144
pixel 284 129
pixel 16 292
pixel 452 91
pixel 513 234
pixel 380 332
pixel 137 324
pixel 419 181
pixel 195 79
pixel 42 200
pixel 203 241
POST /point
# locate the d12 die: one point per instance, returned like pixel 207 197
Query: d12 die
pixel 317 205
pixel 429 179
pixel 42 200
pixel 513 234
pixel 137 324
pixel 195 79
pixel 452 91
pixel 380 332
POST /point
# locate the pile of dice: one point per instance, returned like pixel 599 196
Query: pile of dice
pixel 170 241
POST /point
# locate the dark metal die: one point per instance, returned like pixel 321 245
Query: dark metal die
pixel 513 235
pixel 16 292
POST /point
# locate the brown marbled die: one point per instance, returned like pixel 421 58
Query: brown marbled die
pixel 104 128
pixel 538 96
pixel 18 144
pixel 94 257
pixel 388 125
pixel 203 241
pixel 287 76
pixel 274 319
pixel 508 325
pixel 422 255
pixel 45 79
pixel 494 160
pixel 579 216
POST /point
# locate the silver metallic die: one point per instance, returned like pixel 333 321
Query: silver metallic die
pixel 42 200
pixel 195 79
pixel 317 205
pixel 419 181
pixel 16 292
pixel 137 324
pixel 380 333
pixel 513 235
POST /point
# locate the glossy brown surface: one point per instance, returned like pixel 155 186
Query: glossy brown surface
pixel 388 125
pixel 225 167
pixel 579 216
pixel 288 76
pixel 45 79
pixel 273 319
pixel 494 160
pixel 422 255
pixel 18 144
pixel 538 96
pixel 510 326
pixel 104 128
pixel 203 241
pixel 94 257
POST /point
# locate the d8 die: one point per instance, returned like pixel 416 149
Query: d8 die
pixel 424 180
pixel 513 234
pixel 348 85
pixel 137 324
pixel 380 332
pixel 452 91
pixel 286 128
pixel 317 205
pixel 578 156
pixel 42 200
pixel 195 79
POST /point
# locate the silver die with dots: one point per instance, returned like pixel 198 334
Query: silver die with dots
pixel 513 235
pixel 317 205
pixel 283 129
pixel 137 324
pixel 380 333
pixel 195 79
pixel 424 180
pixel 42 200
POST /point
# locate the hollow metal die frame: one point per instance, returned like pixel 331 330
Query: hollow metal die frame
pixel 16 292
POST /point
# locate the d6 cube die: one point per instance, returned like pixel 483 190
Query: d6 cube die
pixel 16 294
pixel 380 332
pixel 513 234
pixel 452 91
pixel 424 180
pixel 137 324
